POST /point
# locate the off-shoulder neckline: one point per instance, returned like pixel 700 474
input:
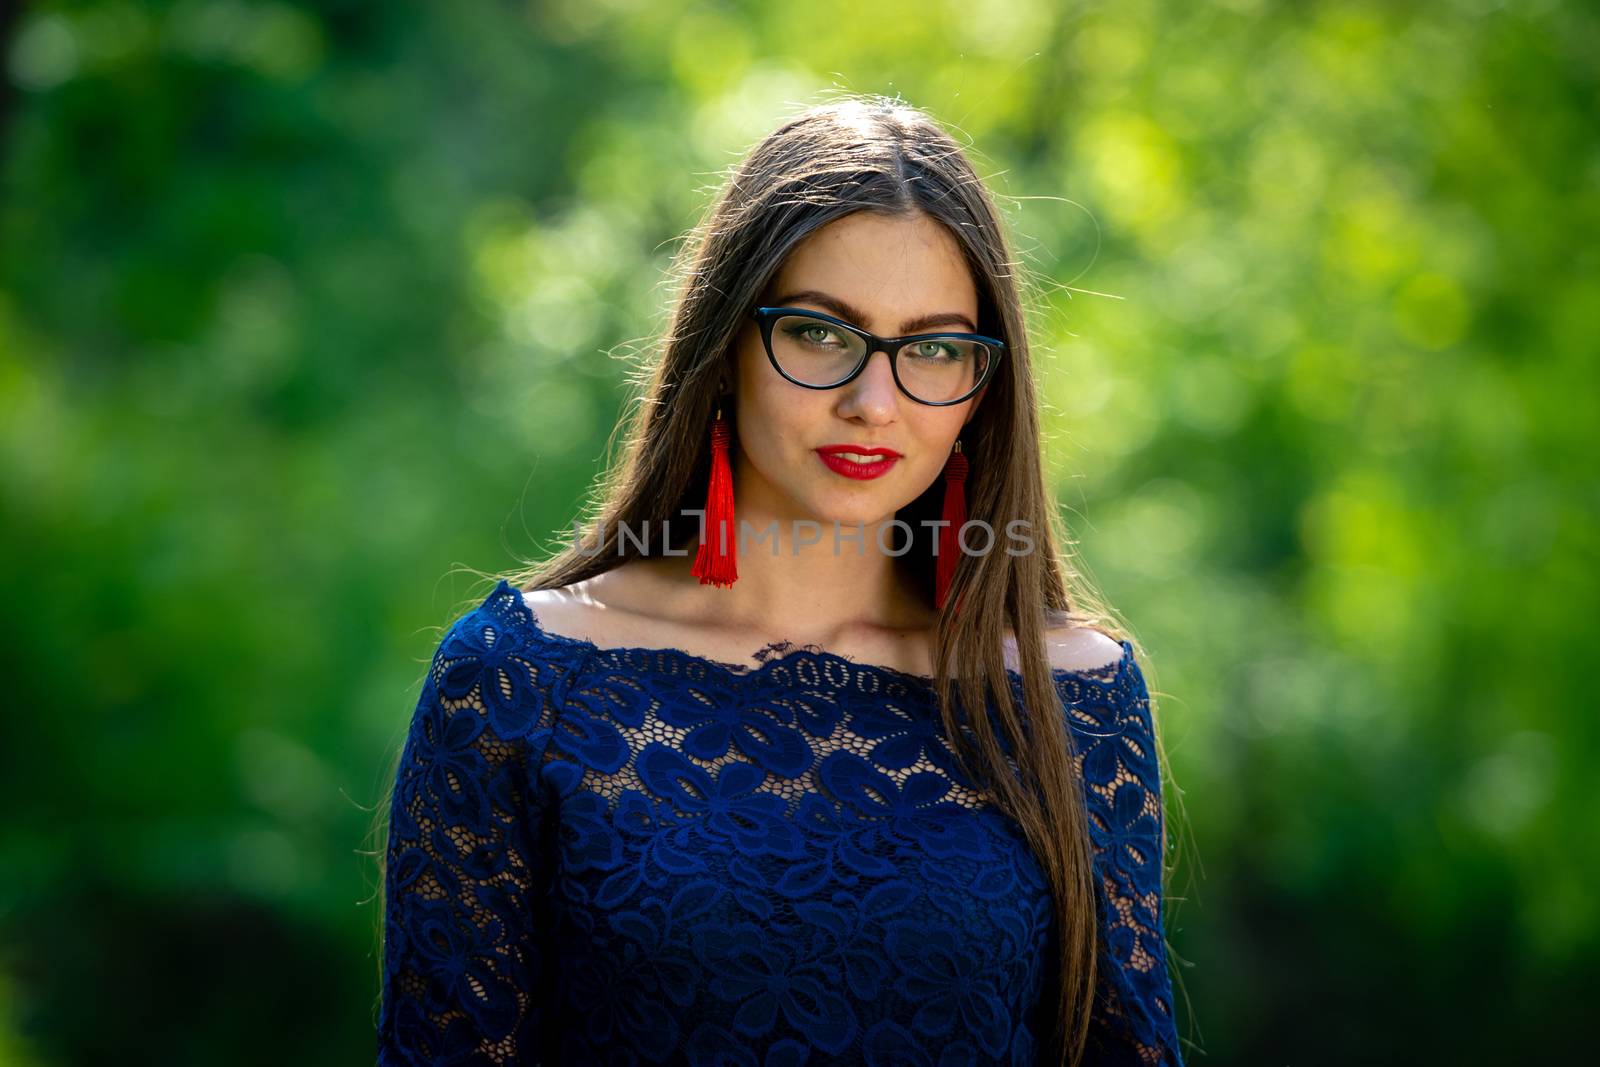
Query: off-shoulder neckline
pixel 1106 675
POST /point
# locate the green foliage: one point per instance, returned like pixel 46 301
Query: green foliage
pixel 303 307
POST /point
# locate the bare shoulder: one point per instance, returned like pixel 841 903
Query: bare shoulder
pixel 597 609
pixel 1070 648
pixel 1081 648
pixel 558 611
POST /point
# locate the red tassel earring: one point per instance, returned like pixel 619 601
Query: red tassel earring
pixel 717 561
pixel 955 516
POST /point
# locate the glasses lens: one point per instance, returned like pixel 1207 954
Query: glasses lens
pixel 940 368
pixel 815 351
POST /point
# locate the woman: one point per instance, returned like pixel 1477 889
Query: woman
pixel 617 836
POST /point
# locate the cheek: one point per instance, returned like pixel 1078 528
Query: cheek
pixel 751 366
pixel 777 418
pixel 770 410
pixel 936 440
pixel 937 430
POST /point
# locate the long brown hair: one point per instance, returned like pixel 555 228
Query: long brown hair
pixel 870 153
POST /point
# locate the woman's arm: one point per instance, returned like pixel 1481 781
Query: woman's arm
pixel 1113 729
pixel 463 959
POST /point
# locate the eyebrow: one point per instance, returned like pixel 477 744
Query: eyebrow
pixel 845 310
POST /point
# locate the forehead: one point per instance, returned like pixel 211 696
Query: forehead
pixel 891 268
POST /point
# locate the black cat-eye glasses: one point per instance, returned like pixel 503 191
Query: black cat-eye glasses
pixel 818 351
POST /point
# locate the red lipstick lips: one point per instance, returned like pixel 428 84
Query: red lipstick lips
pixel 851 461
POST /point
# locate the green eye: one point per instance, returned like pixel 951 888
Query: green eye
pixel 812 333
pixel 936 351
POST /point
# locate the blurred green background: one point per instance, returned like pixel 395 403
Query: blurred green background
pixel 308 313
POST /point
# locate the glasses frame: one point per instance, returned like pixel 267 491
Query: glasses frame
pixel 765 317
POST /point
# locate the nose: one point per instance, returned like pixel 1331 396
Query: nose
pixel 873 395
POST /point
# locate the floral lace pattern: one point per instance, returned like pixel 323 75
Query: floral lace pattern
pixel 640 856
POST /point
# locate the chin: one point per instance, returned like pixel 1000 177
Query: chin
pixel 863 512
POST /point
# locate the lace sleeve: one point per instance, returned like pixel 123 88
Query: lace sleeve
pixel 1114 731
pixel 463 956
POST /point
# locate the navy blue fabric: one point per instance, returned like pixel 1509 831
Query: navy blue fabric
pixel 630 856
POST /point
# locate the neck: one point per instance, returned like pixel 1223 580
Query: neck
pixel 809 576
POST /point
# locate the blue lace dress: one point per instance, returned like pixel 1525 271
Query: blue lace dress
pixel 640 856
